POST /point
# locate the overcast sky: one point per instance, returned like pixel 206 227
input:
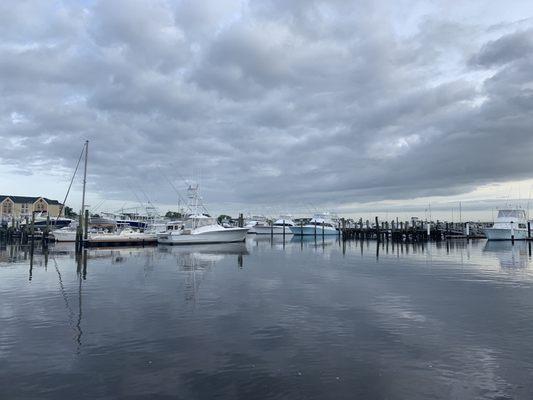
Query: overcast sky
pixel 271 104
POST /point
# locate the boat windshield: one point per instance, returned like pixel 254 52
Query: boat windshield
pixel 283 223
pixel 518 214
pixel 197 221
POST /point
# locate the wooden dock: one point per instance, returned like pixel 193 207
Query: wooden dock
pixel 406 231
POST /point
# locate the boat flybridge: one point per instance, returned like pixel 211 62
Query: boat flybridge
pixel 279 227
pixel 199 227
pixel 320 224
pixel 510 224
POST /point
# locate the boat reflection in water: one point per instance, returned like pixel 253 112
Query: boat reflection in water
pixel 195 261
pixel 220 249
pixel 509 255
pixel 313 241
pixel 204 256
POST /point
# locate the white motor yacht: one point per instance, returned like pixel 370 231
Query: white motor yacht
pixel 200 228
pixel 511 223
pixel 281 226
pixel 319 225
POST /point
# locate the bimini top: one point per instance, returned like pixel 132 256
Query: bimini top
pixel 510 214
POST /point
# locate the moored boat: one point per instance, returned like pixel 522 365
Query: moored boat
pixel 255 222
pixel 200 228
pixel 510 224
pixel 126 236
pixel 319 225
pixel 279 227
pixel 66 234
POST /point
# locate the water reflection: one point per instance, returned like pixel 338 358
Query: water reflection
pixel 300 319
pixel 196 261
pixel 510 255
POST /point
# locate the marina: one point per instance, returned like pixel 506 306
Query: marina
pixel 266 200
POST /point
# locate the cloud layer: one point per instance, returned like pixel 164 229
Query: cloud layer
pixel 269 102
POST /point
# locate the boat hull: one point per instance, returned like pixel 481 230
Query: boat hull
pixel 505 234
pixel 226 235
pixel 309 230
pixel 276 230
pixel 64 236
pixel 131 239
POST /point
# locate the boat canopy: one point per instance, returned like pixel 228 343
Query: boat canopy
pixel 518 214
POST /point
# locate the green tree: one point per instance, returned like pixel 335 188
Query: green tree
pixel 223 218
pixel 69 213
pixel 173 215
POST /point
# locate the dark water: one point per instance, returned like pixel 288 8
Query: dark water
pixel 262 320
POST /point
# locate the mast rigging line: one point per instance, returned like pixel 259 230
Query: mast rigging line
pixel 180 197
pixel 71 182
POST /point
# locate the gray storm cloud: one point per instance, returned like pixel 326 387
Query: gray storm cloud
pixel 269 101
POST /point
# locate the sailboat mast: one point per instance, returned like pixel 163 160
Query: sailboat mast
pixel 84 178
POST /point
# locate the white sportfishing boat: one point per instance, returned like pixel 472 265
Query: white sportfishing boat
pixel 201 228
pixel 254 222
pixel 279 227
pixel 511 223
pixel 319 225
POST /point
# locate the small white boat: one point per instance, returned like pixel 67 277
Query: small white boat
pixel 282 225
pixel 126 236
pixel 67 234
pixel 319 225
pixel 511 223
pixel 255 222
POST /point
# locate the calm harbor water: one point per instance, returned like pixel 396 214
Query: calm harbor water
pixel 262 320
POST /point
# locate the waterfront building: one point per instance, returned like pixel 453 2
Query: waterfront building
pixel 23 206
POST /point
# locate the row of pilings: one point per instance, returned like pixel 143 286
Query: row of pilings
pixel 406 231
pixel 26 233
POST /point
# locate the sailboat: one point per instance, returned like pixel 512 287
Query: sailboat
pixel 199 227
pixel 68 233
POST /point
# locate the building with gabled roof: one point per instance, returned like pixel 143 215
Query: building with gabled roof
pixel 23 206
